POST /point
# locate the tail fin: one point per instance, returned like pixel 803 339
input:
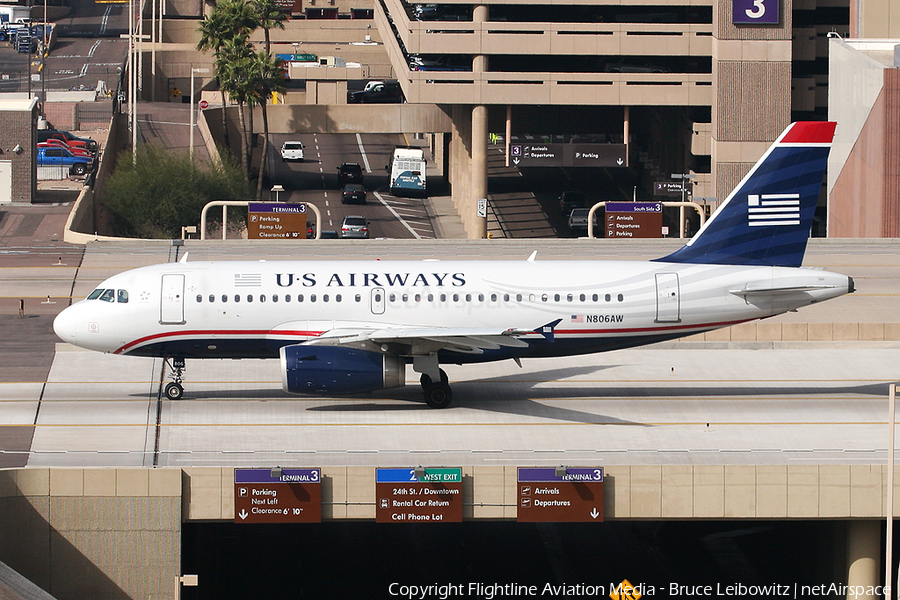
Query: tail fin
pixel 766 219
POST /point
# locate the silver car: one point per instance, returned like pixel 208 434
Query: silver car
pixel 355 227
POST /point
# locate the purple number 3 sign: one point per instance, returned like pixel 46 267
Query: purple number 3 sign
pixel 754 11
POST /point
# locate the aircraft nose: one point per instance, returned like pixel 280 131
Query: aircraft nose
pixel 64 326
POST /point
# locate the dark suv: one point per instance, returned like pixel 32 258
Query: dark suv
pixel 349 173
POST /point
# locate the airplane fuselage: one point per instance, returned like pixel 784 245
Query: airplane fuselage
pixel 252 309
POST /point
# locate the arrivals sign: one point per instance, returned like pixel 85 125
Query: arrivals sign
pixel 276 221
pixel 266 496
pixel 431 496
pixel 633 219
pixel 568 155
pixel 547 494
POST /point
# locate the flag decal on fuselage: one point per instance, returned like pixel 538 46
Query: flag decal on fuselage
pixel 773 209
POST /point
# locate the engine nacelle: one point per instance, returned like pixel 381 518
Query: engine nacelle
pixel 336 370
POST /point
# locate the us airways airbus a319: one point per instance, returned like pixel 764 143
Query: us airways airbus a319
pixel 353 326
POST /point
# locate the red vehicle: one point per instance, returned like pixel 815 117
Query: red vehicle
pixel 54 143
pixel 44 135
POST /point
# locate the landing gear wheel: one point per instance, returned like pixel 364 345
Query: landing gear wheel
pixel 174 391
pixel 438 395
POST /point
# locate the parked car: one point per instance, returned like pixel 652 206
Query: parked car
pixel 353 193
pixel 349 173
pixel 45 134
pixel 633 64
pixel 355 226
pixel 578 219
pixel 570 200
pixel 377 92
pixel 78 165
pixel 54 143
pixel 448 62
pixel 292 151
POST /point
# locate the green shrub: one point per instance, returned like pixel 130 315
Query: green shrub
pixel 161 191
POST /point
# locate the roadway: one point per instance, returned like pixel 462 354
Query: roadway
pixel 314 180
pixel 679 403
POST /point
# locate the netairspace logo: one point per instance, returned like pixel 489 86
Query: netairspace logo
pixel 626 591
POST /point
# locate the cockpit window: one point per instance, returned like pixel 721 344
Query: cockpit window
pixel 95 294
pixel 122 296
pixel 108 296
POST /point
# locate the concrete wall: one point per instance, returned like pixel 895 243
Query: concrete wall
pixel 99 533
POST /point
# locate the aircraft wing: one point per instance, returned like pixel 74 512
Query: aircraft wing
pixel 424 340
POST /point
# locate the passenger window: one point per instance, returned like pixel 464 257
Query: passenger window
pixel 595 297
pixel 299 297
pixel 108 296
pixel 392 298
pixel 418 297
pixel 312 297
pixel 324 297
pixel 443 297
pixel 224 298
pixel 406 297
pixel 237 298
pixel 556 297
pixel 212 298
pixel 431 297
pixel 287 297
pixel 518 297
pixel 262 297
pixel 531 297
pixel 468 297
pixel 122 296
pixel 608 297
pixel 481 297
pixel 249 297
pixel 621 298
pixel 337 297
pixel 582 297
pixel 456 297
pixel 358 298
pixel 544 297
pixel 570 298
pixel 199 298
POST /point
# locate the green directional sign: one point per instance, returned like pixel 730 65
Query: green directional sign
pixel 418 495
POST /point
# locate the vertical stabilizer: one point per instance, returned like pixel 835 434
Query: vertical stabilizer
pixel 766 219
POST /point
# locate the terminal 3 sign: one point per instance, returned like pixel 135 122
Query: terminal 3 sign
pixel 276 221
pixel 557 495
pixel 277 495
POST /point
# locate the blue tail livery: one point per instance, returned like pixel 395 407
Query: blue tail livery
pixel 766 219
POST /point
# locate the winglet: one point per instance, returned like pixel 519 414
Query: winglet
pixel 548 330
pixel 766 219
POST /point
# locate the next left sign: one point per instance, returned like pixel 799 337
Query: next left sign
pixel 278 495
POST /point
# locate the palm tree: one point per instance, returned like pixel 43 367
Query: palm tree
pixel 233 64
pixel 268 73
pixel 227 20
pixel 269 16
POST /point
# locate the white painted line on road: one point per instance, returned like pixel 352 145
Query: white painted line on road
pixel 394 212
pixel 362 151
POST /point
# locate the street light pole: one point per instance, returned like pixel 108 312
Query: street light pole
pixel 193 103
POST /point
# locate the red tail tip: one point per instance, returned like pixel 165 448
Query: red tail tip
pixel 810 132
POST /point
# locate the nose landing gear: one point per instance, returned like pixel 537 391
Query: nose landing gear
pixel 174 390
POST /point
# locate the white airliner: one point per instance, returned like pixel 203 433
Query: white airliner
pixel 353 326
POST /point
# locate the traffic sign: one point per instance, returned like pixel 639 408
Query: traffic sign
pixel 408 495
pixel 633 219
pixel 547 494
pixel 204 104
pixel 569 155
pixel 282 496
pixel 276 221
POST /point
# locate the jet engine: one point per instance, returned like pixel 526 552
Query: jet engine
pixel 335 370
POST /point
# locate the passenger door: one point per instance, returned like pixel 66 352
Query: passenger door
pixel 171 310
pixel 668 301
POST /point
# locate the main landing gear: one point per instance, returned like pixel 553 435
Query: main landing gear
pixel 434 382
pixel 174 390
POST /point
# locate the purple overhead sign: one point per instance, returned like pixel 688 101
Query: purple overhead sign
pixel 748 12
